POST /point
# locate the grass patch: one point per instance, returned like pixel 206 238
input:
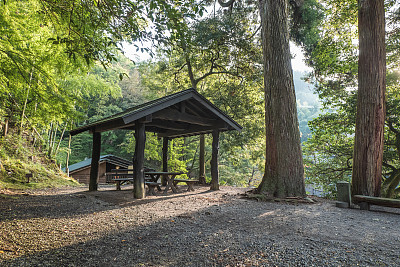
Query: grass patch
pixel 19 158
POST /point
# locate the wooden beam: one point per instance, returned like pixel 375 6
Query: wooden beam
pixel 194 130
pixel 214 161
pixel 94 166
pixel 168 125
pixel 110 125
pixel 202 165
pixel 380 201
pixel 138 161
pixel 174 115
pixel 183 107
pixel 159 107
pixel 164 160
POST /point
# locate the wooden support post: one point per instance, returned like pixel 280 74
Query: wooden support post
pixel 343 192
pixel 214 161
pixel 164 160
pixel 138 161
pixel 202 165
pixel 94 167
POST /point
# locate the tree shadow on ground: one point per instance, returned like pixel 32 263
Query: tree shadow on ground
pixel 25 206
pixel 238 233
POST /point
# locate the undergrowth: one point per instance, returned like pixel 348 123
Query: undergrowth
pixel 18 157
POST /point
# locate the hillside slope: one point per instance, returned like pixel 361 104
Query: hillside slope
pixel 21 156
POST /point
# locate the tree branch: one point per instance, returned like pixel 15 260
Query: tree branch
pixel 226 4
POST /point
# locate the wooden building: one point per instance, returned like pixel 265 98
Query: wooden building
pixel 184 113
pixel 81 171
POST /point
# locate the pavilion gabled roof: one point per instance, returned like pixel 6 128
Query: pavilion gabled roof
pixel 181 114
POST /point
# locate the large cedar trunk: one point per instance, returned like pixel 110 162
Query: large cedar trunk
pixel 368 144
pixel 284 171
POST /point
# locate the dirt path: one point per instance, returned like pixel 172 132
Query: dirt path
pixel 72 227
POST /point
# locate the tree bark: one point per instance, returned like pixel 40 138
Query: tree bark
pixel 284 171
pixel 94 167
pixel 138 161
pixel 68 153
pixel 368 144
pixel 214 161
pixel 5 127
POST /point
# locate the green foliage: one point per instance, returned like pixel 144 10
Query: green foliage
pixel 18 157
pixel 329 151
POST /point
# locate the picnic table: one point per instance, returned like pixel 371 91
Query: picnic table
pixel 169 176
pixel 121 176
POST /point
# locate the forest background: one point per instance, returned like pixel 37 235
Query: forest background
pixel 54 79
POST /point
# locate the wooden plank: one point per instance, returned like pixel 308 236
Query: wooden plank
pixel 194 130
pixel 168 125
pixel 174 115
pixel 94 166
pixel 211 107
pixel 214 161
pixel 138 162
pixel 380 201
pixel 158 106
pixel 110 125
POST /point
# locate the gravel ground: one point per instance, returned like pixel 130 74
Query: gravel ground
pixel 73 227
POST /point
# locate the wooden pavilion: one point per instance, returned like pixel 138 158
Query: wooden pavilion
pixel 185 113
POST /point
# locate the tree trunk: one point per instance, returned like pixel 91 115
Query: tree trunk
pixel 5 127
pixel 50 140
pixel 138 161
pixel 68 153
pixel 214 161
pixel 25 103
pixel 94 167
pixel 284 171
pixel 368 144
pixel 59 141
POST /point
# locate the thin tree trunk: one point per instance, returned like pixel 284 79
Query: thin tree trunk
pixel 59 141
pixel 68 153
pixel 284 171
pixel 26 102
pixel 6 127
pixel 368 144
pixel 50 140
pixel 53 142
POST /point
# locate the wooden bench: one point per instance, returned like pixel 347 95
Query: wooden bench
pixel 366 201
pixel 189 183
pixel 151 185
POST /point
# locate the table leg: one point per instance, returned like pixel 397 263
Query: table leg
pixel 170 183
pixel 118 185
pixel 190 186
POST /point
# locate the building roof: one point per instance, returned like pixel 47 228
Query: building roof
pixel 181 114
pixel 106 158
